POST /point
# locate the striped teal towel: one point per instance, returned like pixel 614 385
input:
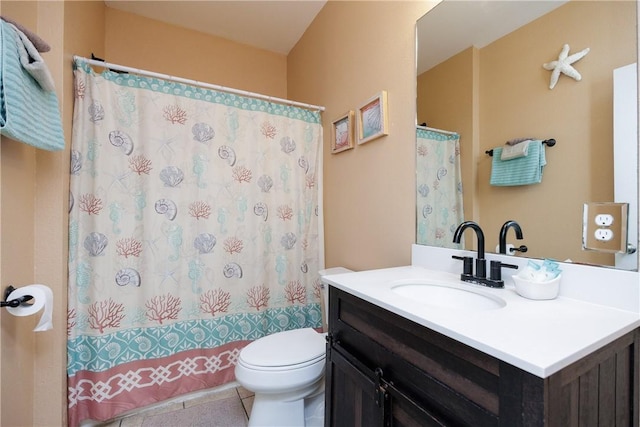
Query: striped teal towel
pixel 27 112
pixel 520 171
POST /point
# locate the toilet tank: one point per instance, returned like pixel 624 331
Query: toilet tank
pixel 324 296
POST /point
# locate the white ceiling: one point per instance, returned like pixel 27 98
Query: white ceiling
pixel 453 26
pixel 277 25
pixel 271 25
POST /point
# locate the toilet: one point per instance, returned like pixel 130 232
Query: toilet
pixel 285 370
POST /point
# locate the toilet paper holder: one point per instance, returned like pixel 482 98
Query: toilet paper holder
pixel 16 302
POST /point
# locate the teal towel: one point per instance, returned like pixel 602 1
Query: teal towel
pixel 27 112
pixel 520 171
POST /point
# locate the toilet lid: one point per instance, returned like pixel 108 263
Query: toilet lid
pixel 285 348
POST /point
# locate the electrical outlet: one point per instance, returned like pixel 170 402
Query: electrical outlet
pixel 603 234
pixel 604 220
pixel 604 227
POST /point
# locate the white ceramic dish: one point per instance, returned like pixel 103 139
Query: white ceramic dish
pixel 537 290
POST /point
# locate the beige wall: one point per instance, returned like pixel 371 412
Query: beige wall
pixel 352 51
pixel 151 45
pixel 514 100
pixel 33 223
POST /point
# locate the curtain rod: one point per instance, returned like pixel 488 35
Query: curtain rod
pixel 448 132
pixel 196 83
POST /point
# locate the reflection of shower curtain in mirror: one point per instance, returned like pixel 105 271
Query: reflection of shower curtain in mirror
pixel 439 188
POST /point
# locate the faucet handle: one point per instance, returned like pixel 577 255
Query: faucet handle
pixel 496 269
pixel 467 264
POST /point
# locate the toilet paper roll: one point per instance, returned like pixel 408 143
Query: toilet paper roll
pixel 42 298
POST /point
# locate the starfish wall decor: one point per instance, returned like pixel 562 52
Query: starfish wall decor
pixel 563 65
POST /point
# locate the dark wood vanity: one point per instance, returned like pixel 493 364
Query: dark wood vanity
pixel 385 370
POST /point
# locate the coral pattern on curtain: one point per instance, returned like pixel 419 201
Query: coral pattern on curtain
pixel 193 230
pixel 439 188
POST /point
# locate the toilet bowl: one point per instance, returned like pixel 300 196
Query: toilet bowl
pixel 285 370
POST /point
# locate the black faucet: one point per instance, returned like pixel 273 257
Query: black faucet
pixel 481 263
pixel 503 236
pixel 480 277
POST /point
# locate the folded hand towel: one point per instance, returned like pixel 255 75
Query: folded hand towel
pixel 518 141
pixel 521 171
pixel 27 112
pixel 31 61
pixel 514 151
pixel 39 44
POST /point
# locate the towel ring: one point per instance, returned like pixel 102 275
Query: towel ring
pixel 548 142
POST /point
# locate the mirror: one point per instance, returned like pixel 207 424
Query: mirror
pixel 492 88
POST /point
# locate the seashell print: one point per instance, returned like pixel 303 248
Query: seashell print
pixel 167 208
pixel 84 352
pixel 287 145
pixel 427 210
pixel 113 350
pixel 304 267
pixel 226 153
pixel 301 319
pixel 172 176
pixel 304 164
pixel 95 243
pixel 442 172
pixel 262 210
pixel 204 243
pixel 96 111
pixel 232 270
pixel 282 320
pixel 265 183
pixel 144 343
pixel 128 276
pixel 198 334
pixel 172 339
pixel 459 187
pixel 288 241
pixel 76 162
pixel 71 201
pixel 245 327
pixel 223 330
pixel 423 190
pixel 202 132
pixel 120 139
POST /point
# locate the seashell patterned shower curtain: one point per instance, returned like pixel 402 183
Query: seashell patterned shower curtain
pixel 193 230
pixel 439 188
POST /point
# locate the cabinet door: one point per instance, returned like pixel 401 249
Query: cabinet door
pixel 403 411
pixel 353 397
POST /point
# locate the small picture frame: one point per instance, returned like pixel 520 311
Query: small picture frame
pixel 342 133
pixel 372 118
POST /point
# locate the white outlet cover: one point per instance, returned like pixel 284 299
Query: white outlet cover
pixel 604 234
pixel 604 220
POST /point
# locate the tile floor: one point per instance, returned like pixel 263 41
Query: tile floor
pixel 224 407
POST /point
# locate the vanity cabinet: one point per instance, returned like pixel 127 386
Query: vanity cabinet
pixel 385 370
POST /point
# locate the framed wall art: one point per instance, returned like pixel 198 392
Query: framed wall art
pixel 342 133
pixel 372 118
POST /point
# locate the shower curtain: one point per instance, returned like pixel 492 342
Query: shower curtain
pixel 439 188
pixel 193 230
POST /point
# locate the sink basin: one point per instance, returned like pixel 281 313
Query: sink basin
pixel 448 296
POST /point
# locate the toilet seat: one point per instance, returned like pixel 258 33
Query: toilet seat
pixel 288 350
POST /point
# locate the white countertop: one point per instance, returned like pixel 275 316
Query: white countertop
pixel 540 337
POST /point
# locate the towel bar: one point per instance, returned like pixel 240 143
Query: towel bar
pixel 548 142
